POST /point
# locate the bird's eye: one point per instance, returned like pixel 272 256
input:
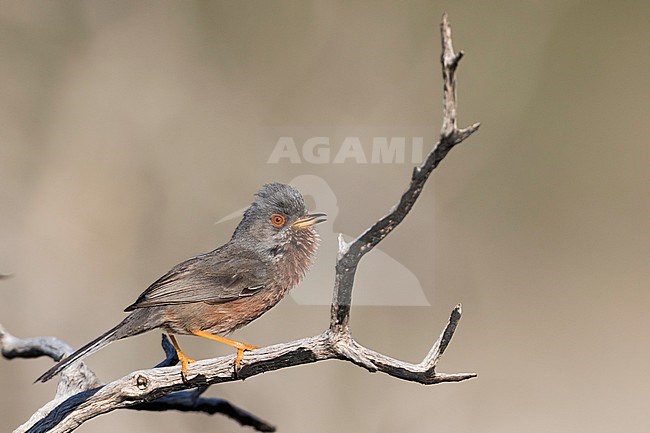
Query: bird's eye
pixel 277 220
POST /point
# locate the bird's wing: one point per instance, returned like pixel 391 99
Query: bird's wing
pixel 211 278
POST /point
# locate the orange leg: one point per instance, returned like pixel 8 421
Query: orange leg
pixel 184 359
pixel 241 347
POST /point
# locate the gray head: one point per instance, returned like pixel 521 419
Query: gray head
pixel 277 221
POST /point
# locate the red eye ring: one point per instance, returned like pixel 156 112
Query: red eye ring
pixel 277 220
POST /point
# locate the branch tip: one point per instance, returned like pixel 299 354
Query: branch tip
pixel 343 246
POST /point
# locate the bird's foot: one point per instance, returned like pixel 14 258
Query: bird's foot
pixel 241 348
pixel 185 361
pixel 182 358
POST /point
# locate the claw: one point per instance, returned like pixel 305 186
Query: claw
pixel 185 361
pixel 241 348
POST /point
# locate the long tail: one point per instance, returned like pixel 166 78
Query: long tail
pixel 135 323
pixel 89 348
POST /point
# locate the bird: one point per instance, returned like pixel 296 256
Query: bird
pixel 215 293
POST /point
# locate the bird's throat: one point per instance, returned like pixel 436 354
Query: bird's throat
pixel 295 256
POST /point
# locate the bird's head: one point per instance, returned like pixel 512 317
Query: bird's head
pixel 278 222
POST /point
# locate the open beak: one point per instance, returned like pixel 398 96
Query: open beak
pixel 309 220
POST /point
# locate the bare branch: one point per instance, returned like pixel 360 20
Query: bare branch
pixel 424 372
pixel 73 380
pixel 140 387
pixel 351 254
pixel 13 347
pixel 78 383
pixel 164 388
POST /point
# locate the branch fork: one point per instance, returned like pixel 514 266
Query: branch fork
pixel 81 397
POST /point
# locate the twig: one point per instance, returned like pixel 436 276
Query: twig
pixel 450 135
pixel 161 388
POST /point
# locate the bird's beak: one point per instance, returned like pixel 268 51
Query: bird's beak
pixel 309 220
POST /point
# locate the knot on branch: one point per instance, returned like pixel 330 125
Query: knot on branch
pixel 141 382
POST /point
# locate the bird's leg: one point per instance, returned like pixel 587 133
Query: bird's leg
pixel 184 359
pixel 241 347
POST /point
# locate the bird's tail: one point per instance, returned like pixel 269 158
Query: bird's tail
pixel 135 323
pixel 89 348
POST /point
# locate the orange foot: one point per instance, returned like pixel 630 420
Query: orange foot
pixel 185 361
pixel 182 358
pixel 241 347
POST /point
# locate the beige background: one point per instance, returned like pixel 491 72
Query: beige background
pixel 128 128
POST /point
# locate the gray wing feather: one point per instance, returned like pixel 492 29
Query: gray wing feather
pixel 210 278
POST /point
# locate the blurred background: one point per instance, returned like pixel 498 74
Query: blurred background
pixel 127 129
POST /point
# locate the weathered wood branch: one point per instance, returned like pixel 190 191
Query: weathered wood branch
pixel 78 382
pixel 80 398
pixel 154 389
pixel 350 254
